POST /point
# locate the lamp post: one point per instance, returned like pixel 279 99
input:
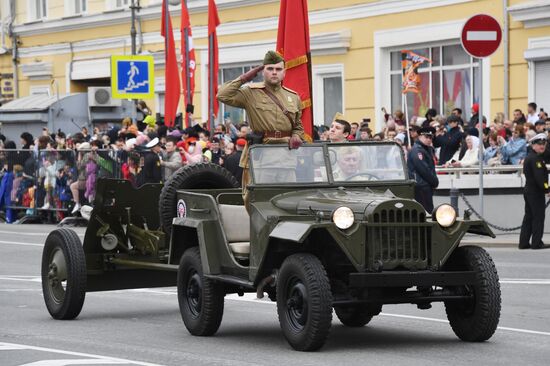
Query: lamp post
pixel 134 6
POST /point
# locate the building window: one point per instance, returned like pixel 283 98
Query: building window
pixel 328 93
pixel 450 81
pixel 40 90
pixel 542 84
pixel 121 3
pixel 38 9
pixel 76 7
pixel 237 115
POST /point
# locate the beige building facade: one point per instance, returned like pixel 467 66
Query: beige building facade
pixel 64 46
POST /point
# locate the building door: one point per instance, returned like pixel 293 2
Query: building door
pixel 542 84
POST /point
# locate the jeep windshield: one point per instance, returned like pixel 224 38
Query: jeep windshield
pixel 325 163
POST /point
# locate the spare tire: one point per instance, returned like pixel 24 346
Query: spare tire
pixel 197 176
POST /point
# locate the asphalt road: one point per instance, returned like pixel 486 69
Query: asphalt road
pixel 143 327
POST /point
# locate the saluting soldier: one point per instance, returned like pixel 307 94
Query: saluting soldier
pixel 273 111
pixel 536 186
pixel 421 166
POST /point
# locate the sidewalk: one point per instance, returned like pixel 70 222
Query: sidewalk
pixel 503 240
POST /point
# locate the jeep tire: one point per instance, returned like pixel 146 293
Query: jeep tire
pixel 353 316
pixel 202 175
pixel 63 274
pixel 477 319
pixel 304 302
pixel 200 299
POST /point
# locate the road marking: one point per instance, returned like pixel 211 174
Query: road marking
pixel 525 281
pixel 21 278
pixel 481 35
pixel 20 243
pixel 21 233
pixel 96 359
pixel 446 321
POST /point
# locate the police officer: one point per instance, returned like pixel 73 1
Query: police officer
pixel 536 186
pixel 421 166
pixel 151 164
pixel 273 111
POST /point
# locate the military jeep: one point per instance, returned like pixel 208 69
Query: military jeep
pixel 328 227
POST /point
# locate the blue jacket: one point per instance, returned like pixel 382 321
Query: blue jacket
pixel 514 151
pixel 422 166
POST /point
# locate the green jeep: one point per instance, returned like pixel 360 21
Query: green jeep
pixel 329 226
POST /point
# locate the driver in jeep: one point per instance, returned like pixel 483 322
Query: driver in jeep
pixel 348 164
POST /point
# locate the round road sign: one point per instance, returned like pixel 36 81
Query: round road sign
pixel 481 35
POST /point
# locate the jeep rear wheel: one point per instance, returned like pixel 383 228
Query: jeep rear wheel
pixel 63 274
pixel 353 316
pixel 200 299
pixel 304 302
pixel 475 319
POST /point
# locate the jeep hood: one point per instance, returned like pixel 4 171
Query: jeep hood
pixel 327 200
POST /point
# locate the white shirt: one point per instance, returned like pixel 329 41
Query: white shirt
pixel 532 117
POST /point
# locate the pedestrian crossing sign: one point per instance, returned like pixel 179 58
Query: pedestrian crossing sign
pixel 132 77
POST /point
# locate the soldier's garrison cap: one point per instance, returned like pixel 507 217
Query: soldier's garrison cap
pixel 538 139
pixel 272 57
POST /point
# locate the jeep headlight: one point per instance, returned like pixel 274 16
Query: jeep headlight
pixel 445 215
pixel 343 217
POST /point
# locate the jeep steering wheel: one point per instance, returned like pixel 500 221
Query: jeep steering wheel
pixel 365 174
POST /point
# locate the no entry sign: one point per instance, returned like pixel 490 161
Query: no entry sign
pixel 481 35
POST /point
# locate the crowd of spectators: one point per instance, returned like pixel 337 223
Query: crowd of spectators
pixel 57 172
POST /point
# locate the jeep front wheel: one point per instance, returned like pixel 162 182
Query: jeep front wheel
pixel 474 319
pixel 353 316
pixel 200 299
pixel 304 302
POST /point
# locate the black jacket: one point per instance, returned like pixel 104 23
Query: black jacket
pixel 151 168
pixel 231 163
pixel 449 143
pixel 421 165
pixel 536 174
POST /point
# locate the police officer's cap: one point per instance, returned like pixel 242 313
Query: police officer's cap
pixel 540 122
pixel 538 139
pixel 154 142
pixel 272 57
pixel 428 131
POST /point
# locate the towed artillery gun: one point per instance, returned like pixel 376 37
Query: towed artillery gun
pixel 329 227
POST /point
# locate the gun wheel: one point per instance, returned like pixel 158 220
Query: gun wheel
pixel 63 274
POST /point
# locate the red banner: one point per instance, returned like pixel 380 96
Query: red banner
pixel 171 75
pixel 213 22
pixel 187 43
pixel 410 62
pixel 293 44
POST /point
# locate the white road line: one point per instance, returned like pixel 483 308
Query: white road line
pixel 521 281
pixel 445 321
pixel 73 361
pixel 23 233
pixel 104 359
pixel 20 243
pixel 21 278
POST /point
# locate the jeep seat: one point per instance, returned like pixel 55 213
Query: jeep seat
pixel 236 225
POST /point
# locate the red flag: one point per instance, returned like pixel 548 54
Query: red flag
pixel 293 44
pixel 187 43
pixel 213 22
pixel 171 75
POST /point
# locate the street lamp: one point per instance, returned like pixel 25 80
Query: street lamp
pixel 134 7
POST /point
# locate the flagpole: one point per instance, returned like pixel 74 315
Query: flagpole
pixel 211 86
pixel 407 119
pixel 187 77
pixel 166 46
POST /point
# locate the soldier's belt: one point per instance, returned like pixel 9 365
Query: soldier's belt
pixel 277 134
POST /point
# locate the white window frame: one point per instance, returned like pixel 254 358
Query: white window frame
pixel 417 36
pixel 538 49
pixel 112 4
pixel 319 73
pixel 33 12
pixel 70 7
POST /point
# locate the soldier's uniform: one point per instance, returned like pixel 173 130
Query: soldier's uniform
pixel 536 186
pixel 422 169
pixel 265 116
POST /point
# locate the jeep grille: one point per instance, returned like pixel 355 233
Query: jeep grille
pixel 398 238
